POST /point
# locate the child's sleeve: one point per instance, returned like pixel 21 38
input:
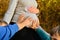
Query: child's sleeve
pixel 8 31
pixel 43 34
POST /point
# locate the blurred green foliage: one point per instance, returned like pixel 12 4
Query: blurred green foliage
pixel 49 15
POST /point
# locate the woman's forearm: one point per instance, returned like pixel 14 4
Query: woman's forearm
pixel 43 34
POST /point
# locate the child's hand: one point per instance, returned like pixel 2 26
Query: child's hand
pixel 33 10
pixel 35 24
pixel 22 22
pixel 2 23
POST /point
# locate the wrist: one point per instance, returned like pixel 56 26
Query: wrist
pixel 3 23
pixel 20 26
pixel 37 28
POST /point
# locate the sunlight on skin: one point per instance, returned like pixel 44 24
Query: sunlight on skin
pixel 56 37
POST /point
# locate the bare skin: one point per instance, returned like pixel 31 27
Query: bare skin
pixel 26 22
pixel 33 10
pixel 56 37
pixel 22 22
pixel 2 23
pixel 36 24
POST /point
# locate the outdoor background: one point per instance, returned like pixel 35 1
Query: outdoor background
pixel 49 15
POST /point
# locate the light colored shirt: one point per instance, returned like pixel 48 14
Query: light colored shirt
pixel 22 8
pixel 10 12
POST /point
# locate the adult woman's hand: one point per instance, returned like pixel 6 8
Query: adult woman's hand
pixel 33 10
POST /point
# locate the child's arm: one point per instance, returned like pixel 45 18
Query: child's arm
pixel 8 31
pixel 43 34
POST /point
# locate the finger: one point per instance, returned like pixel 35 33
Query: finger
pixel 31 26
pixel 34 24
pixel 27 21
pixel 21 18
pixel 33 10
pixel 29 18
pixel 37 23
